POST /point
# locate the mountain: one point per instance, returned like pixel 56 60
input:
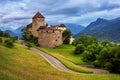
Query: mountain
pixel 11 33
pixel 103 29
pixel 6 28
pixel 18 31
pixel 75 28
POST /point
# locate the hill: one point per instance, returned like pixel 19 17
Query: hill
pixel 20 63
pixel 103 29
pixel 75 28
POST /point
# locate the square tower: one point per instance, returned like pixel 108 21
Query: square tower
pixel 37 21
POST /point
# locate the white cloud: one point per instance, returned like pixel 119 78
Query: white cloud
pixel 16 13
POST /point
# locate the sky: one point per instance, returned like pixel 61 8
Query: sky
pixel 16 13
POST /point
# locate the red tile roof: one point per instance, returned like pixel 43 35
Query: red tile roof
pixel 38 15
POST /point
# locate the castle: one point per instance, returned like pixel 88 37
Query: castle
pixel 48 36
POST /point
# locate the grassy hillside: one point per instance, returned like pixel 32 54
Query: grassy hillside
pixel 65 54
pixel 20 63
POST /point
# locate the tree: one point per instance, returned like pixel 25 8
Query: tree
pixel 103 54
pixel 25 33
pixel 109 58
pixel 33 39
pixel 1 33
pixel 4 34
pixel 0 40
pixel 85 40
pixel 106 43
pixel 66 36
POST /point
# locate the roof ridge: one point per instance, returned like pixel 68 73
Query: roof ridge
pixel 38 15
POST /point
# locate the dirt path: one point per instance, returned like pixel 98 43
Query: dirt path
pixel 100 71
pixel 53 61
pixel 96 70
pixel 50 59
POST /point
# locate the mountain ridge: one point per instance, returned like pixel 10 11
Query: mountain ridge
pixel 75 28
pixel 103 29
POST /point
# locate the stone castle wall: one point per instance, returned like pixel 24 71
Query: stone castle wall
pixel 50 38
pixel 36 23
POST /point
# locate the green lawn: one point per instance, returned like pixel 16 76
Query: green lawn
pixel 20 63
pixel 65 54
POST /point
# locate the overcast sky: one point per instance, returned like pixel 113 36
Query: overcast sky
pixel 14 13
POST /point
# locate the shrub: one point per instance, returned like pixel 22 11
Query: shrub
pixel 13 39
pixel 8 43
pixel 79 49
pixel 28 45
pixel 33 39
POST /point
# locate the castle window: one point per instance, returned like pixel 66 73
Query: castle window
pixel 47 31
pixel 56 40
pixel 58 36
pixel 53 31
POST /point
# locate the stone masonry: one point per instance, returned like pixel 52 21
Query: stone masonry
pixel 48 36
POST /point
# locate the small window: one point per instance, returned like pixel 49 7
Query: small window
pixel 56 40
pixel 58 36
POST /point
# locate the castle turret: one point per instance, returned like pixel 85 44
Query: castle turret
pixel 37 21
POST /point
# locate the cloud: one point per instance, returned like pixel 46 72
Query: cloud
pixel 14 13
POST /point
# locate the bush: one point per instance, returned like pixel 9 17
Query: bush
pixel 8 43
pixel 33 39
pixel 28 45
pixel 79 49
pixel 13 39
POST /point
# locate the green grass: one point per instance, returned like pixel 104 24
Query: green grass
pixel 65 54
pixel 20 63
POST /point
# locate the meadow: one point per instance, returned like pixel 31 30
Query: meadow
pixel 65 54
pixel 20 63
